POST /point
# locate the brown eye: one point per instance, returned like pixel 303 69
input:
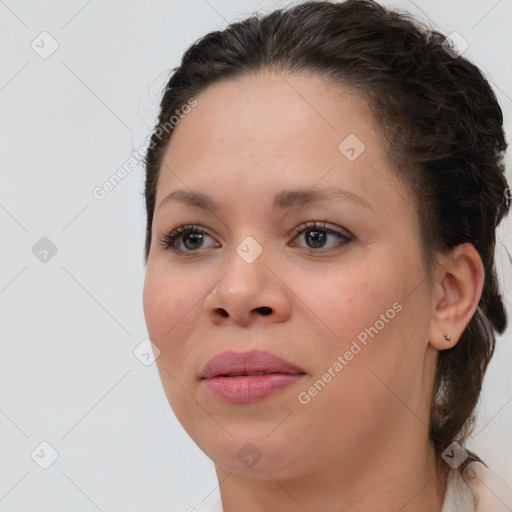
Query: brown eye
pixel 190 236
pixel 317 235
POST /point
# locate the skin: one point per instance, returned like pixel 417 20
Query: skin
pixel 367 429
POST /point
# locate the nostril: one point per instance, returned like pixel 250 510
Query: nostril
pixel 264 310
pixel 223 312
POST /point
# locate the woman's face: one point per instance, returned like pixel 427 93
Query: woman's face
pixel 345 300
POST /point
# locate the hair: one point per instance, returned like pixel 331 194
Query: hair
pixel 441 126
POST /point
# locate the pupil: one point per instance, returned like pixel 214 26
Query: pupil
pixel 318 238
pixel 194 236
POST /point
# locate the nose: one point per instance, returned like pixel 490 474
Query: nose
pixel 248 293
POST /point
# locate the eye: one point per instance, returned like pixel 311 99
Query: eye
pixel 190 238
pixel 317 234
pixel 191 235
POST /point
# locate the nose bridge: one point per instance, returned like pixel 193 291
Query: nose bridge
pixel 248 288
pixel 247 274
pixel 250 250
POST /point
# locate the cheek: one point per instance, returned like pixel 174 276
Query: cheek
pixel 364 312
pixel 167 302
pixel 366 324
pixel 351 298
pixel 169 313
pixel 154 303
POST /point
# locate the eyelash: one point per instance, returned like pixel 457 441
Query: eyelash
pixel 168 240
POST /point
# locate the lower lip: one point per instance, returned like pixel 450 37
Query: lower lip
pixel 249 388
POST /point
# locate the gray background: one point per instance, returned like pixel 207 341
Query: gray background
pixel 69 325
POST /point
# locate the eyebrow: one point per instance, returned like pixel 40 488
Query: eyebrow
pixel 283 200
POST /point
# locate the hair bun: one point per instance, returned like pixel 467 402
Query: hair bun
pixel 496 312
pixel 492 303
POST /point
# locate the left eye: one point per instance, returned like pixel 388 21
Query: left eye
pixel 192 236
pixel 317 234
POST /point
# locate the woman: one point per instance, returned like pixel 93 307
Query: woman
pixel 323 187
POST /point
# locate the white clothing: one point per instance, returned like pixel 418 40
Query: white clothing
pixel 478 489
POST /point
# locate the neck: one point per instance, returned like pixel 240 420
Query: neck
pixel 402 477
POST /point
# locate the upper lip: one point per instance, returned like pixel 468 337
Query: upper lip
pixel 244 363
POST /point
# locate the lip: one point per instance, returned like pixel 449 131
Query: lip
pixel 230 376
pixel 232 363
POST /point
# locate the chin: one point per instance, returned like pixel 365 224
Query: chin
pixel 252 455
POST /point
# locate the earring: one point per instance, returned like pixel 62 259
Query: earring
pixel 447 338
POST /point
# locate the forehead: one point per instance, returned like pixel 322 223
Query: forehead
pixel 280 110
pixel 263 132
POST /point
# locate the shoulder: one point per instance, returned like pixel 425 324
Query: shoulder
pixel 476 489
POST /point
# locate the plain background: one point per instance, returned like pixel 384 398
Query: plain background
pixel 69 325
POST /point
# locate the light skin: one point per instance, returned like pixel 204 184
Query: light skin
pixel 362 442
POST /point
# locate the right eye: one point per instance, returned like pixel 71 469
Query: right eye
pixel 191 236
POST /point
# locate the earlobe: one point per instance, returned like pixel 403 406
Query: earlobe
pixel 458 287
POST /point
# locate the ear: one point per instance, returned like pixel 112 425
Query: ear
pixel 457 288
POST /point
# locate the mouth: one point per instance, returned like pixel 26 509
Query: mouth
pixel 247 364
pixel 251 374
pixel 248 377
pixel 251 387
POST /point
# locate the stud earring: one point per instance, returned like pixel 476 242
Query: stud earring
pixel 447 338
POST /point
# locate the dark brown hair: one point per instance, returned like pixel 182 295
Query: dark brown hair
pixel 441 125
